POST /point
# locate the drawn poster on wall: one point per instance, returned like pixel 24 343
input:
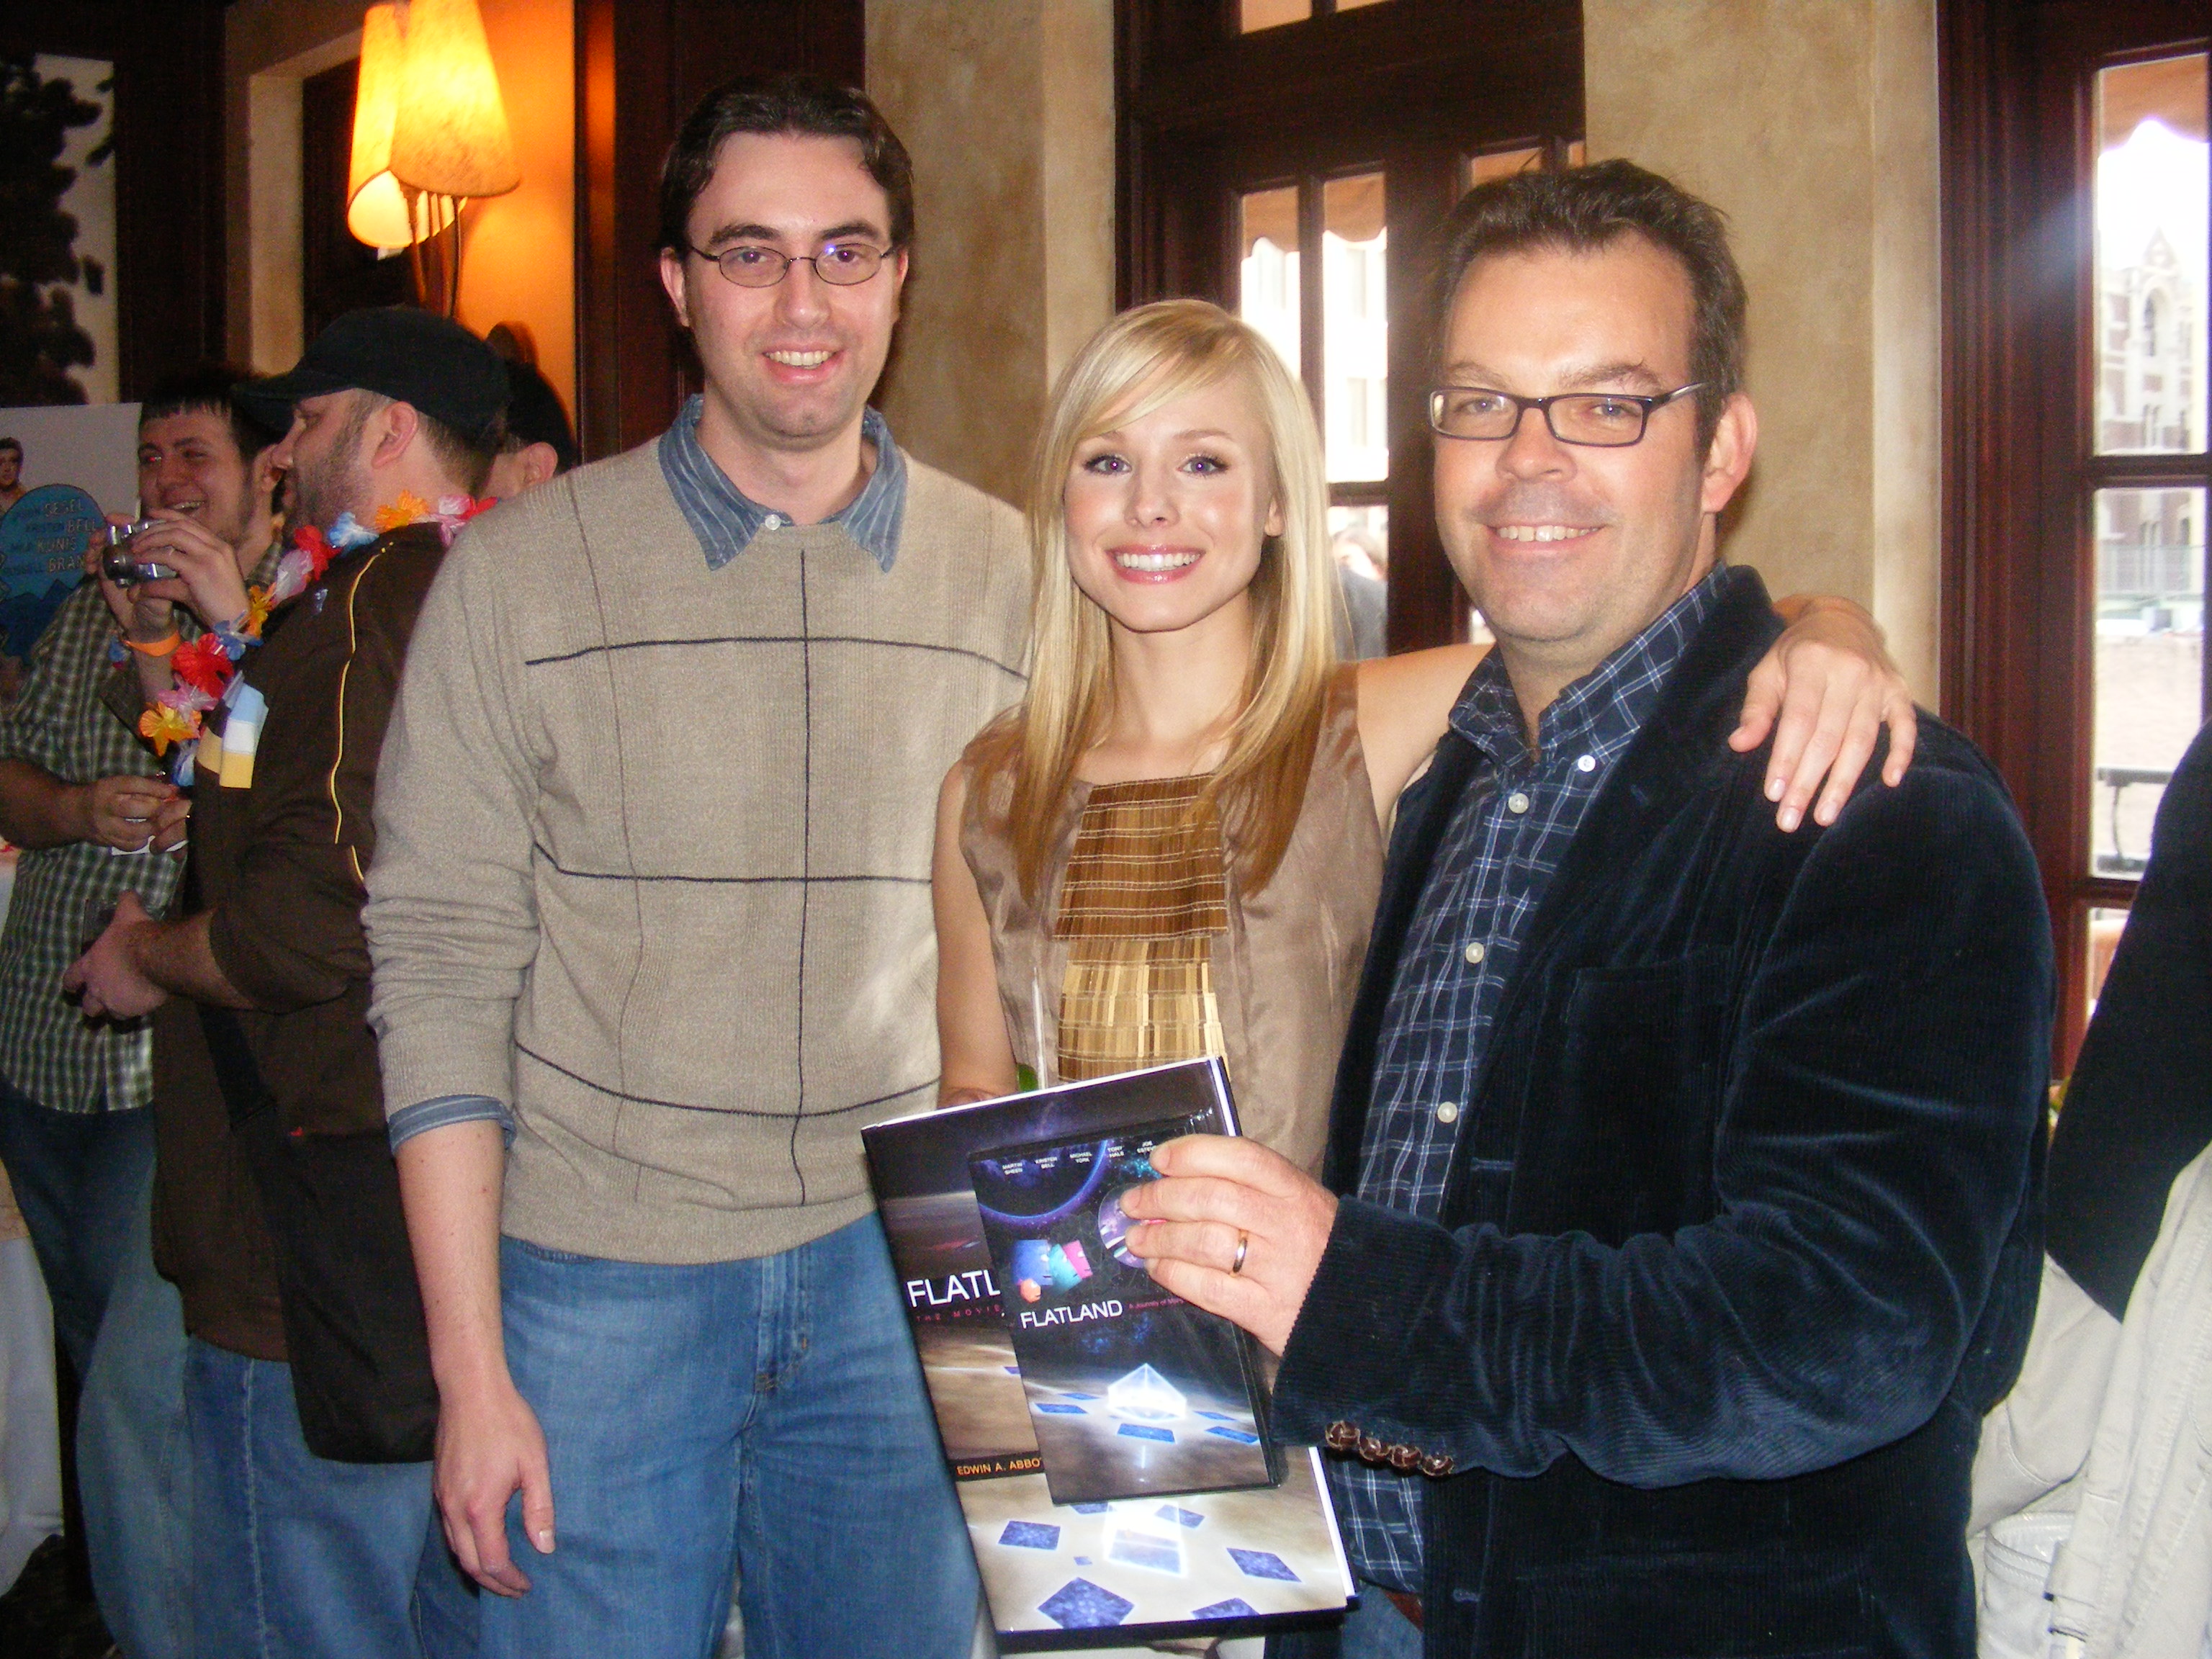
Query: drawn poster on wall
pixel 58 312
pixel 61 469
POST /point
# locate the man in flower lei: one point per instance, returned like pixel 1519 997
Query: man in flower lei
pixel 259 996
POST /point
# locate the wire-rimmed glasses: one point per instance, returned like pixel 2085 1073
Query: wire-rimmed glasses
pixel 841 265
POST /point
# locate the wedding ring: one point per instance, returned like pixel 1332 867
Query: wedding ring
pixel 1243 1243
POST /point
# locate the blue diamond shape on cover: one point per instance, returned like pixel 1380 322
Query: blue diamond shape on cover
pixel 1081 1605
pixel 1263 1563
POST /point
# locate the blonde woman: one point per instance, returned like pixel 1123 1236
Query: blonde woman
pixel 1172 848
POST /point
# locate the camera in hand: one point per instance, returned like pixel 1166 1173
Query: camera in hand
pixel 119 563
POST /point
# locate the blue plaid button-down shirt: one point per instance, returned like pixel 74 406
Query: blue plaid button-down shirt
pixel 1504 843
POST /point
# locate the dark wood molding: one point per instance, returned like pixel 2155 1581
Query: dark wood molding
pixel 337 272
pixel 169 252
pixel 641 67
pixel 1428 605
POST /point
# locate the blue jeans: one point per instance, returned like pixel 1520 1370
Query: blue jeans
pixel 81 1180
pixel 85 1183
pixel 296 1556
pixel 1377 1629
pixel 768 1414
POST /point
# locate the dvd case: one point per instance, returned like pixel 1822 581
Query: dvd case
pixel 1236 1559
pixel 1132 1391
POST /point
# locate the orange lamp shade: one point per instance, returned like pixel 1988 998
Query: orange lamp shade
pixel 449 132
pixel 376 208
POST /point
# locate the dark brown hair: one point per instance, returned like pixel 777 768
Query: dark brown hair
pixel 1584 210
pixel 212 387
pixel 806 105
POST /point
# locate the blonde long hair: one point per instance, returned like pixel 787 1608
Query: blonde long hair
pixel 1142 360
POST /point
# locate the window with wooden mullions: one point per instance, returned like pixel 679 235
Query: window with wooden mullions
pixel 2077 464
pixel 1332 329
pixel 1289 160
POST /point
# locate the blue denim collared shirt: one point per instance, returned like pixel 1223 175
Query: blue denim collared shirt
pixel 725 519
pixel 1505 842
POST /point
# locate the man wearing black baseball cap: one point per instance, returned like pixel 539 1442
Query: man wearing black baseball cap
pixel 309 1400
pixel 403 354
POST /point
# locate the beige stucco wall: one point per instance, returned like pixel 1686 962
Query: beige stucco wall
pixel 1008 112
pixel 1812 123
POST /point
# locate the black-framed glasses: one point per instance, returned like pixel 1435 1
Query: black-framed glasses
pixel 1601 420
pixel 842 265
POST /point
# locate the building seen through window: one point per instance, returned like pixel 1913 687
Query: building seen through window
pixel 2148 677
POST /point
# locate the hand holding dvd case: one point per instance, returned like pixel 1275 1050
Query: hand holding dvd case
pixel 1131 1390
pixel 1228 1555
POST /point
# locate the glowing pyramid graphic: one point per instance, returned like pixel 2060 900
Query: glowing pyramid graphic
pixel 1143 1393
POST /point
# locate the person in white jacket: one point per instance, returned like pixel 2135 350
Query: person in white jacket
pixel 2101 1456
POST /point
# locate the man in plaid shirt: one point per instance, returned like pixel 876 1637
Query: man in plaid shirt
pixel 83 798
pixel 1681 1212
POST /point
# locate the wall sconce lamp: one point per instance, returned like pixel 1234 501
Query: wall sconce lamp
pixel 430 132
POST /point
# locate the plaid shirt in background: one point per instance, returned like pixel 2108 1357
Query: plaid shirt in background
pixel 47 1050
pixel 1505 842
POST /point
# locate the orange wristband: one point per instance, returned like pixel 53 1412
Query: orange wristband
pixel 159 648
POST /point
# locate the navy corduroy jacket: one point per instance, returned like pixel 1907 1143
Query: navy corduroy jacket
pixel 1743 1229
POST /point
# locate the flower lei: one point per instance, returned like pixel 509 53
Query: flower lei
pixel 204 667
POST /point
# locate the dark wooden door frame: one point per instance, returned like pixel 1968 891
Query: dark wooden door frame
pixel 2019 392
pixel 1412 86
pixel 640 66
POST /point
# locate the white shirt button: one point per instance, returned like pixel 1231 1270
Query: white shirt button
pixel 1516 802
pixel 1449 1112
pixel 1586 764
pixel 774 521
pixel 1474 953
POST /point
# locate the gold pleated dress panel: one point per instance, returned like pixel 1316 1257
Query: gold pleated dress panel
pixel 1140 907
pixel 1280 970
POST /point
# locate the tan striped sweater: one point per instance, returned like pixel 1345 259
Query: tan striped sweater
pixel 653 849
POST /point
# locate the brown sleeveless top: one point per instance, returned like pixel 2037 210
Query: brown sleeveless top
pixel 1148 950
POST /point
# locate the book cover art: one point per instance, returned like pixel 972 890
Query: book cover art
pixel 1104 1573
pixel 1062 1576
pixel 1131 1390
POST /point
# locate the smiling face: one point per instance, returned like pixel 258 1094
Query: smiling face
pixel 1165 514
pixel 189 462
pixel 789 367
pixel 1570 552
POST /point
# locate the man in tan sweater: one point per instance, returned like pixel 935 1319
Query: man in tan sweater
pixel 652 899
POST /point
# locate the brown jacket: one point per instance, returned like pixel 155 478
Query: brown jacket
pixel 280 862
